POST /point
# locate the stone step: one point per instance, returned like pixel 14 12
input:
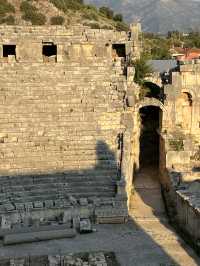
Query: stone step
pixel 77 195
pixel 54 183
pixel 69 189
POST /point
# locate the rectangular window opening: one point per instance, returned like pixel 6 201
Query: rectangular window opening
pixel 9 51
pixel 49 52
pixel 119 50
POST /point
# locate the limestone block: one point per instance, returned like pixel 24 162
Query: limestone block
pixel 83 201
pixel 85 226
pixel 28 51
pixel 131 101
pixel 130 74
pixel 54 260
pixel 9 206
pixel 19 206
pixel 17 262
pixel 28 206
pixel 67 215
pixel 174 157
pixel 96 201
pixel 5 222
pixel 59 203
pixel 38 204
pixel 48 203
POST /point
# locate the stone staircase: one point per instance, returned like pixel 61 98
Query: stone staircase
pixel 59 118
pixel 33 189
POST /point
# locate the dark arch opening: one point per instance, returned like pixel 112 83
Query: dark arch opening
pixel 149 137
pixel 151 90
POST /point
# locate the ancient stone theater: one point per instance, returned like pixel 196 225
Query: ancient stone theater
pixel 82 147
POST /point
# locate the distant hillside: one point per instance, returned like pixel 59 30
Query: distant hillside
pixel 158 16
pixel 56 12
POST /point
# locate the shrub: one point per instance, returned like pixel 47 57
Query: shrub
pixel 6 7
pixel 10 20
pixel 142 69
pixel 31 14
pixel 57 20
pixel 35 18
pixel 64 5
pixel 107 27
pixel 90 16
pixel 92 25
pixel 106 11
pixel 121 26
pixel 91 8
pixel 27 7
pixel 118 17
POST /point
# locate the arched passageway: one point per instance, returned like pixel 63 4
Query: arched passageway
pixel 151 117
pixel 146 200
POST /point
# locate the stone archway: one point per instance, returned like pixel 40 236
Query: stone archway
pixel 150 102
pixel 145 103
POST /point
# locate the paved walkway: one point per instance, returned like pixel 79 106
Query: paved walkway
pixel 148 212
pixel 146 240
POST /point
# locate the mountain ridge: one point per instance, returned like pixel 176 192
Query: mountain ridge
pixel 158 16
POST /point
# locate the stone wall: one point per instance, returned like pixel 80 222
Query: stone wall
pixel 182 202
pixel 55 115
pixel 64 131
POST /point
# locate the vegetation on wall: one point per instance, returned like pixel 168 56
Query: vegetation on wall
pixel 142 70
pixel 176 144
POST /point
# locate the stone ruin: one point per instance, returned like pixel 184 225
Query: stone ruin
pixel 71 125
pixel 63 127
pixel 80 259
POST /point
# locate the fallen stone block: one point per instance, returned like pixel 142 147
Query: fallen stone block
pixel 38 204
pixel 32 229
pixel 111 216
pixel 85 226
pixel 38 236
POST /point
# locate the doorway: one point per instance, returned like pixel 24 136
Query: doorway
pixel 149 137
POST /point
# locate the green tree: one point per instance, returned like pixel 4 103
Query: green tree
pixel 107 12
pixel 142 69
pixel 118 17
